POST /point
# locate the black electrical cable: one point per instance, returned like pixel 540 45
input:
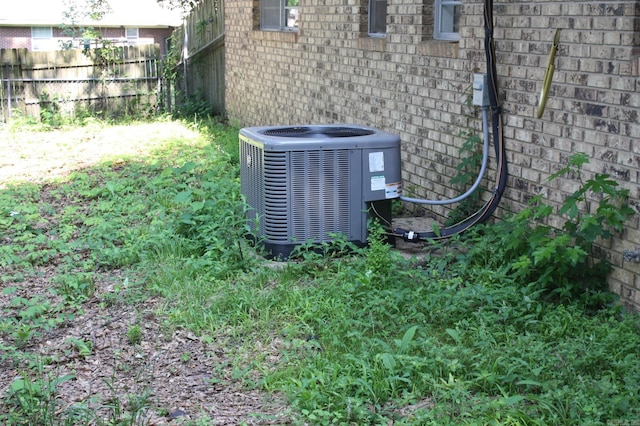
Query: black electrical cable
pixel 498 142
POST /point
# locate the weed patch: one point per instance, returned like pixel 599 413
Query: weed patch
pixel 82 264
pixel 145 259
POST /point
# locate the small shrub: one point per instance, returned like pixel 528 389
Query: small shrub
pixel 193 107
pixel 559 263
pixel 76 288
pixel 468 167
pixel 83 347
pixel 378 255
pixel 213 217
pixel 50 110
pixel 134 335
pixel 467 170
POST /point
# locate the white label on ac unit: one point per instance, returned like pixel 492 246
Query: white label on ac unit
pixel 377 183
pixel 393 190
pixel 376 162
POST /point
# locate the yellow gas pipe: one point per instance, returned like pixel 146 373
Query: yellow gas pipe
pixel 548 75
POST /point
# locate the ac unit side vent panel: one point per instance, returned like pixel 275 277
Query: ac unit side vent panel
pixel 276 214
pixel 320 188
pixel 251 181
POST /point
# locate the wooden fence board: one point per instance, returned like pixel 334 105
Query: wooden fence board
pixel 202 64
pixel 32 80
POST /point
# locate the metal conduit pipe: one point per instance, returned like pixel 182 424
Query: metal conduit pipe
pixel 483 167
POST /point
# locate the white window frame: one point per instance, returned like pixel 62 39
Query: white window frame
pixel 41 38
pixel 377 15
pixel 279 15
pixel 132 34
pixel 446 18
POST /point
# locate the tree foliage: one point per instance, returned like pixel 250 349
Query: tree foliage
pixel 184 5
pixel 77 14
pixel 77 11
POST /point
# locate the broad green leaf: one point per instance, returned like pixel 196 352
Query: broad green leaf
pixel 512 400
pixel 388 361
pixel 197 205
pixel 529 382
pixel 9 290
pixel 111 186
pixel 407 338
pixel 188 166
pixel 182 197
pixel 454 335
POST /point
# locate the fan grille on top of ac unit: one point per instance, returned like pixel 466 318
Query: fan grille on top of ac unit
pixel 311 132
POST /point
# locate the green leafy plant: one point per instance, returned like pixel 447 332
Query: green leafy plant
pixel 611 207
pixel 134 335
pixel 379 259
pixel 76 288
pixel 28 318
pixel 467 168
pixel 127 409
pixel 83 347
pixel 561 263
pixel 194 106
pixel 31 398
pixel 347 335
pixel 50 110
pixel 318 255
pixel 213 216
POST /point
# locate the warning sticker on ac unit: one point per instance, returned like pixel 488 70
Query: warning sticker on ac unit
pixel 378 183
pixel 393 190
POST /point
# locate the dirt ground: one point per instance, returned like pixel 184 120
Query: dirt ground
pixel 39 156
pixel 179 376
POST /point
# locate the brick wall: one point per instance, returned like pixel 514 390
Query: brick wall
pixel 15 38
pixel 158 35
pixel 417 87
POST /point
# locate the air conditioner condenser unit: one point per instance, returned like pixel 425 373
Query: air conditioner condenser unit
pixel 311 183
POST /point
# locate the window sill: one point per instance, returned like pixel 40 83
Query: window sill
pixel 439 48
pixel 377 44
pixel 286 36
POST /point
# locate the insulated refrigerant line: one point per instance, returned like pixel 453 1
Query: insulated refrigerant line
pixel 485 160
pixel 498 142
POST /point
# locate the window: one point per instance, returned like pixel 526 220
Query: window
pixel 377 17
pixel 132 34
pixel 42 32
pixel 42 38
pixel 447 19
pixel 279 15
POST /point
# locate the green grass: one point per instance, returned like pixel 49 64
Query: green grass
pixel 364 338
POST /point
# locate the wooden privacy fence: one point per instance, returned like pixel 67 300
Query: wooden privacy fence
pixel 122 80
pixel 201 63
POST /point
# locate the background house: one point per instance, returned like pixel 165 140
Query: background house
pixel 406 66
pixel 36 24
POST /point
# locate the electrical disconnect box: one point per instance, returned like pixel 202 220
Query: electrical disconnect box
pixel 480 92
